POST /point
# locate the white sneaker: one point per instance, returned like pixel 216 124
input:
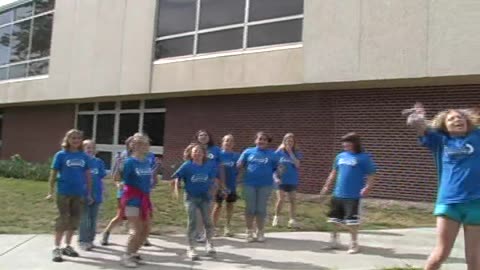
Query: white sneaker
pixel 192 254
pixel 228 232
pixel 334 243
pixel 260 236
pixel 275 221
pixel 138 259
pixel 128 261
pixel 354 248
pixel 210 249
pixel 250 237
pixel 292 223
pixel 83 246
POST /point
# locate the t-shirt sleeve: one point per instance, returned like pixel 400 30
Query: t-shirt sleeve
pixel 243 157
pixel 213 172
pixel 218 158
pixel 432 139
pixel 299 155
pixel 88 162
pixel 276 159
pixel 370 166
pixel 181 172
pixel 57 161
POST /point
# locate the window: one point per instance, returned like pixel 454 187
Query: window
pixel 192 27
pixel 110 123
pixel 25 37
pixel 106 157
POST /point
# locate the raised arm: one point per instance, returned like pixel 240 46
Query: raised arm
pixel 416 118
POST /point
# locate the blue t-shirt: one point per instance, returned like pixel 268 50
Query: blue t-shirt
pixel 352 171
pixel 71 167
pixel 213 154
pixel 260 165
pixel 198 179
pixel 458 163
pixel 229 163
pixel 150 157
pixel 137 173
pixel 290 171
pixel 97 169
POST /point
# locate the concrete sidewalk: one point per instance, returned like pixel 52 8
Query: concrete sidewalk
pixel 295 250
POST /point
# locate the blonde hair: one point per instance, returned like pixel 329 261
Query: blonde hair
pixel 87 142
pixel 65 144
pixel 187 153
pixel 283 145
pixel 139 138
pixel 438 122
pixel 475 115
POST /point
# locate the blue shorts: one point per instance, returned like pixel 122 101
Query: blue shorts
pixel 467 213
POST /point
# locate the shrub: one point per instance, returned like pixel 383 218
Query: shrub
pixel 16 167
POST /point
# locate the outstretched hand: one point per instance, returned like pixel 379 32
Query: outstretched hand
pixel 416 114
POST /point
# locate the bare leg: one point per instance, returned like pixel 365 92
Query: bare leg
pixel 447 231
pixel 472 246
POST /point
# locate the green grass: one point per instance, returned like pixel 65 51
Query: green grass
pixel 24 210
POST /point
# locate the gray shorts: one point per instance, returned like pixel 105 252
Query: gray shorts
pixel 132 211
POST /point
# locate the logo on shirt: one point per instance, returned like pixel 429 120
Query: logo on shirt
pixel 258 160
pixel 285 160
pixel 75 163
pixel 210 156
pixel 228 164
pixel 143 171
pixel 94 171
pixel 464 150
pixel 348 161
pixel 199 178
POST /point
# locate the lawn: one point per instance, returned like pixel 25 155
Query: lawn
pixel 24 210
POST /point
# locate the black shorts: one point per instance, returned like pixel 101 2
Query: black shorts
pixel 231 197
pixel 287 187
pixel 345 211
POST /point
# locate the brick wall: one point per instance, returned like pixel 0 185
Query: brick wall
pixel 35 132
pixel 319 119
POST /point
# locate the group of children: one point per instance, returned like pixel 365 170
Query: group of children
pixel 209 175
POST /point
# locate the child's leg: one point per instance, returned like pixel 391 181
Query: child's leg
pixel 292 197
pixel 472 246
pixel 230 207
pixel 115 220
pixel 76 209
pixel 263 196
pixel 147 225
pixel 191 209
pixel 447 231
pixel 84 229
pixel 134 239
pixel 250 206
pixel 280 201
pixel 93 221
pixel 61 222
pixel 217 209
pixel 204 206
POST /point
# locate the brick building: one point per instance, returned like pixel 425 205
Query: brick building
pixel 317 68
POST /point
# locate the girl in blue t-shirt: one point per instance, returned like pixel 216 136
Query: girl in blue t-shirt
pixel 259 163
pixel 199 177
pixel 228 191
pixel 353 173
pixel 205 138
pixel 455 143
pixel 288 181
pixel 136 204
pixel 70 170
pixel 88 222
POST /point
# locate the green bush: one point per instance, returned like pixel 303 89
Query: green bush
pixel 16 167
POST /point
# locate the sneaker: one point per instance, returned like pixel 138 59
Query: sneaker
pixel 69 251
pixel 210 249
pixel 138 259
pixel 57 255
pixel 128 261
pixel 105 237
pixel 275 221
pixel 83 246
pixel 334 243
pixel 192 254
pixel 228 232
pixel 90 246
pixel 201 238
pixel 147 243
pixel 260 236
pixel 292 223
pixel 250 236
pixel 354 248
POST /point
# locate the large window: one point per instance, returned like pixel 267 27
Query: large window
pixel 192 27
pixel 111 123
pixel 25 36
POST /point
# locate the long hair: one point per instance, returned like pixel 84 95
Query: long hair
pixel 187 153
pixel 353 138
pixel 439 120
pixel 283 145
pixel 65 144
pixel 210 138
